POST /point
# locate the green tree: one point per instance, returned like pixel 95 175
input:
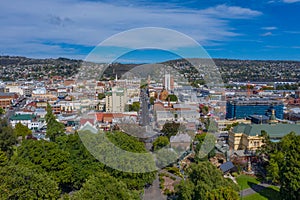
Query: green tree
pixel 205 181
pixel 101 96
pixel 21 182
pixel 170 128
pixel 151 100
pixel 283 164
pixel 80 159
pixel 21 130
pixel 3 158
pixel 204 110
pixel 49 158
pixel 172 97
pixel 7 137
pixel 273 167
pixel 160 142
pixel 222 194
pixel 54 128
pixel 2 111
pixel 117 158
pixel 104 186
pixel 289 162
pixel 185 190
pixel 135 106
pixel 204 148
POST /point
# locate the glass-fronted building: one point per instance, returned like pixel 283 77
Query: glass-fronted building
pixel 243 107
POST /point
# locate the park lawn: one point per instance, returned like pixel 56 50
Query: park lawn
pixel 270 193
pixel 245 181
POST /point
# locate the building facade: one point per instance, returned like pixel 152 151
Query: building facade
pixel 243 108
pixel 115 100
pixel 249 136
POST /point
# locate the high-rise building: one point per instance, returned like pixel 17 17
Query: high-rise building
pixel 168 82
pixel 242 108
pixel 115 100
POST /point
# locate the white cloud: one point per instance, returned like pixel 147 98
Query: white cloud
pixel 291 1
pixel 225 11
pixel 267 34
pixel 28 23
pixel 269 28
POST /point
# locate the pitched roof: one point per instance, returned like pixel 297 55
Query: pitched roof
pixel 225 167
pixel 274 130
pixel 22 117
pixel 99 116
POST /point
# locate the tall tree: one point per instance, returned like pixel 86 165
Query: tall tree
pixel 22 130
pixel 54 128
pixel 283 164
pixel 289 163
pixel 7 137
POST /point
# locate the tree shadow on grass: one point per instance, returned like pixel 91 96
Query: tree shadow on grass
pixel 267 192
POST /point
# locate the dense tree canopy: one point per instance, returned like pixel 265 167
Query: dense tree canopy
pixel 3 158
pixel 7 137
pixel 284 165
pixel 64 165
pixel 205 181
pixel 50 158
pixel 122 153
pixel 104 186
pixel 22 182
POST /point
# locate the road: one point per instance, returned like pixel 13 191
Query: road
pixel 9 113
pixel 144 115
pixel 153 192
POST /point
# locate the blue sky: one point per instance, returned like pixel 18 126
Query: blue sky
pixel 252 29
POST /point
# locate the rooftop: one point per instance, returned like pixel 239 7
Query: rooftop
pixel 256 101
pixel 22 117
pixel 274 130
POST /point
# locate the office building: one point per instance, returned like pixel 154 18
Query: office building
pixel 115 100
pixel 243 108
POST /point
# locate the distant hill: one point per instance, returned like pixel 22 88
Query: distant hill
pixel 14 67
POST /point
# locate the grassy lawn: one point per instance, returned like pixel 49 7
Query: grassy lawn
pixel 245 181
pixel 270 193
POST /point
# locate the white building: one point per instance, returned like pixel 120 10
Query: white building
pixel 115 100
pixel 14 89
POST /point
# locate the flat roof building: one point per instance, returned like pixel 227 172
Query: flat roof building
pixel 243 108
